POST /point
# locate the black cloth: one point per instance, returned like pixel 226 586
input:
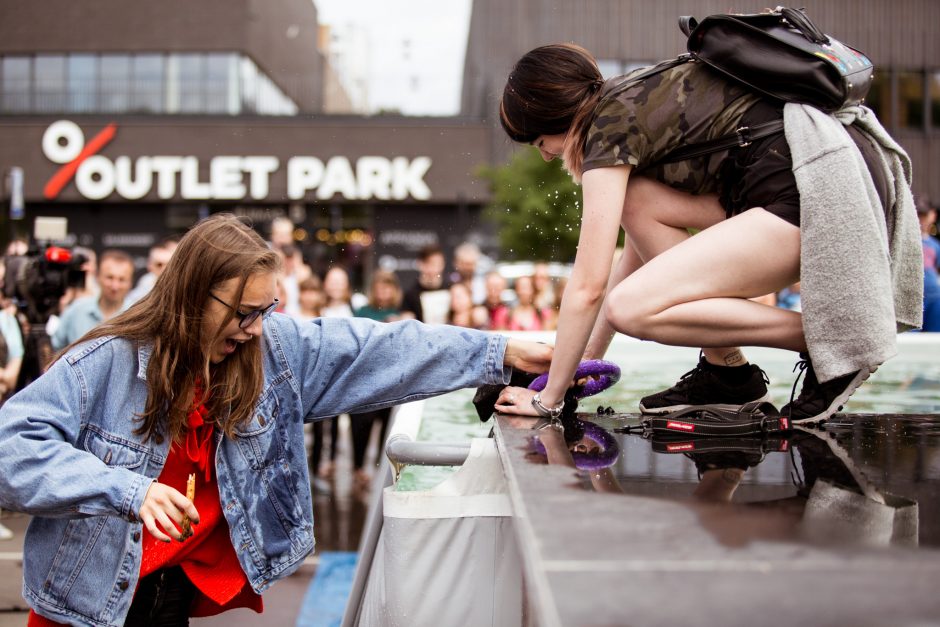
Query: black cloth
pixel 761 174
pixel 316 451
pixel 163 599
pixel 361 428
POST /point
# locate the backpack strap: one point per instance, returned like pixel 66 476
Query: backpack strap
pixel 738 139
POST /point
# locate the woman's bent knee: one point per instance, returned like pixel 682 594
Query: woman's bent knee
pixel 626 315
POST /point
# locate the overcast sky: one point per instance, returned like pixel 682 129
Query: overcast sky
pixel 415 50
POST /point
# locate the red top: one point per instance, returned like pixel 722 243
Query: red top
pixel 207 557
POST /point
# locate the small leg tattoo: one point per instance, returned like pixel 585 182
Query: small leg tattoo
pixel 735 358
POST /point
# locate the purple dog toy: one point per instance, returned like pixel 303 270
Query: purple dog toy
pixel 607 373
pixel 591 461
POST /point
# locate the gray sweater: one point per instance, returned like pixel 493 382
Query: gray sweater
pixel 861 269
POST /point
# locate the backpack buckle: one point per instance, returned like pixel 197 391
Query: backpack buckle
pixel 744 136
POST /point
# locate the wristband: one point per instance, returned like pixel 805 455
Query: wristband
pixel 547 412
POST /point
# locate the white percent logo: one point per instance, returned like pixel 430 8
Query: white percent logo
pixel 63 141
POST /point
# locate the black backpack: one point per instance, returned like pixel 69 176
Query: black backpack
pixel 779 53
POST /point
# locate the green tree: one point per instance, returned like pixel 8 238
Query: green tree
pixel 536 207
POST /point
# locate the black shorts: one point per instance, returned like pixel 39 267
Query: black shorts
pixel 761 174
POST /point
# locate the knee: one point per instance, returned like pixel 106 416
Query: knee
pixel 626 313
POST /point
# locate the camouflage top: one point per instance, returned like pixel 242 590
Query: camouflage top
pixel 644 122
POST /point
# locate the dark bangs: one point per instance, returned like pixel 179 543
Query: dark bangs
pixel 524 120
pixel 545 90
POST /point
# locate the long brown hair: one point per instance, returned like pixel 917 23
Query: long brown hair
pixel 553 90
pixel 170 319
pixel 387 278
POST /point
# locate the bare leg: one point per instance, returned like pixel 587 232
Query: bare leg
pixel 658 217
pixel 695 293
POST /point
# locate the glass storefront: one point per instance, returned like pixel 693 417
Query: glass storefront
pixel 175 83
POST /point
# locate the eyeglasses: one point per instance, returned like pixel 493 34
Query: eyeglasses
pixel 245 320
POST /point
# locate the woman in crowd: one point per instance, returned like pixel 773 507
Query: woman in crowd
pixel 544 288
pixel 385 298
pixel 496 309
pixel 162 455
pixel 752 205
pixel 309 301
pixel 338 304
pixel 311 298
pixel 526 315
pixel 462 311
pixel 384 305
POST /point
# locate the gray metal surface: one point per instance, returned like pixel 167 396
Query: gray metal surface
pixel 663 558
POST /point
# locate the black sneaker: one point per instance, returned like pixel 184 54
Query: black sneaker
pixel 818 401
pixel 702 386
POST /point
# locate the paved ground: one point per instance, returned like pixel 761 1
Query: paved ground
pixel 338 521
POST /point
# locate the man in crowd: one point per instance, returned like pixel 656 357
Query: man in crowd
pixel 115 273
pixel 430 287
pixel 466 259
pixel 157 259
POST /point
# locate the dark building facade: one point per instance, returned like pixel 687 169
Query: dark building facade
pixel 134 119
pixel 901 37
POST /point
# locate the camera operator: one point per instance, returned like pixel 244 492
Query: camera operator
pixel 115 275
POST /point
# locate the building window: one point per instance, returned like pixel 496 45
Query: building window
pixel 82 83
pixel 610 67
pixel 192 83
pixel 615 67
pixel 911 100
pixel 115 83
pixel 879 97
pixel 49 83
pixel 15 81
pixel 219 79
pixel 188 83
pixel 248 72
pixel 147 77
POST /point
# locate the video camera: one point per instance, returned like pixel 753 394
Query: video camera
pixel 37 280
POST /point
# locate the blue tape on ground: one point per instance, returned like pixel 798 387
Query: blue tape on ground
pixel 326 597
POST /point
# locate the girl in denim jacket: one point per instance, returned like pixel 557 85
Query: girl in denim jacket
pixel 199 379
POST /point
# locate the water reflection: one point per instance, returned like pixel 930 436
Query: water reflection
pixel 872 480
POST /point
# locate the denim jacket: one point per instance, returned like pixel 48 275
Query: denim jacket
pixel 69 455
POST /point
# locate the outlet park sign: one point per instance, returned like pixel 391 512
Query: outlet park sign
pixel 227 177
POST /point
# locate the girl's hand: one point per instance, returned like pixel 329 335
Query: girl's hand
pixel 528 356
pixel 165 506
pixel 516 401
